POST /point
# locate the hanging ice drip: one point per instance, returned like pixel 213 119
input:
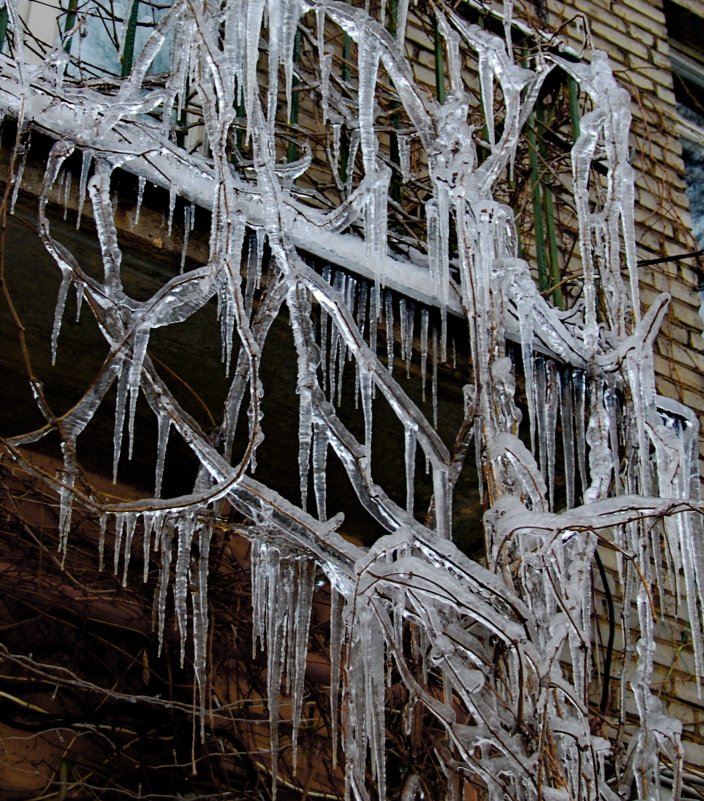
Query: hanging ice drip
pixel 497 651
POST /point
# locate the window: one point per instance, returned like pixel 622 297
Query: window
pixel 692 135
pixel 109 36
pixel 687 56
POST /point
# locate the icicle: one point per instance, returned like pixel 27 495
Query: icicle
pixel 401 19
pixel 551 405
pixel 162 442
pixel 325 68
pixel 324 356
pixel 486 83
pixel 442 497
pixel 349 285
pixel 19 173
pixel 291 13
pixel 336 147
pixel 275 25
pixel 539 390
pixel 332 361
pixel 227 327
pixel 141 184
pixel 134 379
pixel 580 399
pixel 80 293
pixel 254 268
pixel 119 533
pixel 67 192
pixel 99 190
pixel 253 15
pixel 375 222
pixel 68 480
pixel 353 147
pixel 101 541
pixel 568 437
pixel 597 437
pixel 185 527
pixel 231 288
pixel 424 320
pixel 130 525
pixel 320 19
pixel 581 165
pixel 402 321
pixel 305 585
pixel 368 66
pixel 507 26
pixel 362 306
pixel 399 604
pixel 372 691
pixel 361 319
pixel 410 458
pixel 404 157
pixel 305 437
pixel 82 183
pixel 611 404
pixel 366 387
pixel 410 324
pixel 435 377
pixel 59 311
pixel 165 540
pixel 525 306
pixel 148 523
pixel 257 558
pixel 389 314
pixel 350 294
pixel 336 633
pixel 437 212
pixel 172 207
pixel 257 254
pixel 689 546
pixel 277 605
pixel 199 602
pixel 187 228
pixel 320 453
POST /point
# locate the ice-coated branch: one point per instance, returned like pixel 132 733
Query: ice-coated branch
pixel 493 653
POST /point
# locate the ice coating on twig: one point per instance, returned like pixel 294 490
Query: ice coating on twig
pixel 489 641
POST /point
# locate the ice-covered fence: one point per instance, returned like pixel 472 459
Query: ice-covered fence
pixel 503 657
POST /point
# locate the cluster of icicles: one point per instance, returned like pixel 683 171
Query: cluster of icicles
pixel 493 640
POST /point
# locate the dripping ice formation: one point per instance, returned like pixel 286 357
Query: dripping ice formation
pixel 503 663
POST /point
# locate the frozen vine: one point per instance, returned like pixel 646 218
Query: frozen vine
pixel 503 655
